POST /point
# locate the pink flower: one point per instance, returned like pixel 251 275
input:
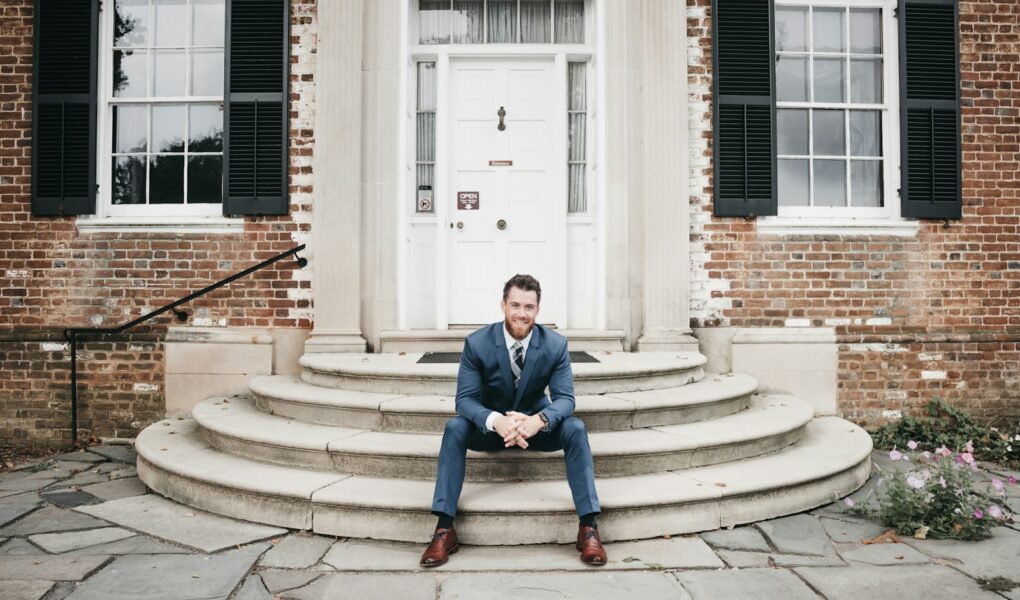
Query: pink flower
pixel 942 481
pixel 969 447
pixel 915 482
pixel 942 451
pixel 912 445
pixel 978 514
pixel 926 455
pixel 997 484
pixel 965 458
pixel 895 454
pixel 849 501
pixel 1011 480
pixel 994 512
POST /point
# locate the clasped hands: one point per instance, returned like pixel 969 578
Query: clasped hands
pixel 515 428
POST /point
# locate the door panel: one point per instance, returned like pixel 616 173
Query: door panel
pixel 527 193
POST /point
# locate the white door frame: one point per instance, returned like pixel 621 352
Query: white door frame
pixel 442 56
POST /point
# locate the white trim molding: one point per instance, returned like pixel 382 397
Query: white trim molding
pixel 845 227
pixel 165 224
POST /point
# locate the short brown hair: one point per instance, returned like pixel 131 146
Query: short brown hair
pixel 523 282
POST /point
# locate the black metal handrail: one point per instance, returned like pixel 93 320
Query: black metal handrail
pixel 72 334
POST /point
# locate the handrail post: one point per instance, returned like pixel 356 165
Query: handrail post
pixel 74 390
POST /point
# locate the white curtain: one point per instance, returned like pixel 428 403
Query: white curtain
pixel 569 22
pixel 434 21
pixel 577 114
pixel 502 21
pixel 467 22
pixel 536 27
pixel 425 153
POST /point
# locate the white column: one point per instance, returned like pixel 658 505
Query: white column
pixel 336 225
pixel 621 162
pixel 380 164
pixel 666 238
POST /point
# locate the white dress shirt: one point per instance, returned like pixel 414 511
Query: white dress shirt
pixel 510 341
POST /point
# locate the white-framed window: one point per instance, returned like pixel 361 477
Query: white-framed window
pixel 161 109
pixel 501 22
pixel 837 116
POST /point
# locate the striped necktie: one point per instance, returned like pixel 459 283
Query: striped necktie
pixel 517 364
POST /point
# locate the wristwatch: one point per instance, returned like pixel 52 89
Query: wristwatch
pixel 545 420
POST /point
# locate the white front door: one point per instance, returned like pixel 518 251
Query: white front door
pixel 507 211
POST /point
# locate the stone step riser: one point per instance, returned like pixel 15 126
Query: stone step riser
pixel 409 422
pixel 508 465
pixel 447 386
pixel 504 528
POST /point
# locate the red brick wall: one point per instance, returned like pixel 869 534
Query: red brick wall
pixel 938 314
pixel 54 277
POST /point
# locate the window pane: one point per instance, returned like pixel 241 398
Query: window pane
pixel 829 133
pixel 791 29
pixel 167 128
pixel 167 185
pixel 502 21
pixel 168 73
pixel 576 81
pixel 130 73
pixel 866 30
pixel 128 183
pixel 207 23
pixel 791 79
pixel 793 131
pixel 467 22
pixel 569 22
pixel 577 136
pixel 535 22
pixel 865 133
pixel 206 124
pixel 829 30
pixel 130 128
pixel 131 23
pixel 427 86
pixel 205 179
pixel 577 201
pixel 171 23
pixel 426 137
pixel 793 182
pixel 830 183
pixel 207 73
pixel 866 182
pixel 433 22
pixel 830 80
pixel 866 81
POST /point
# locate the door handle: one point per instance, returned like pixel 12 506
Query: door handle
pixel 501 224
pixel 501 113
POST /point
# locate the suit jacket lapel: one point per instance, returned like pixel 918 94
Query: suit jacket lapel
pixel 504 360
pixel 531 358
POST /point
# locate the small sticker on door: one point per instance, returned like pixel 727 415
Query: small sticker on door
pixel 467 200
pixel 501 163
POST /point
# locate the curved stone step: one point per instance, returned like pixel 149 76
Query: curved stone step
pixel 236 426
pixel 829 461
pixel 401 373
pixel 715 396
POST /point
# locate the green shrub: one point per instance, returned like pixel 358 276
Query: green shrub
pixel 952 428
pixel 933 495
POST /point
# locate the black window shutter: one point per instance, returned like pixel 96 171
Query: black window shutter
pixel 744 116
pixel 64 107
pixel 255 122
pixel 930 110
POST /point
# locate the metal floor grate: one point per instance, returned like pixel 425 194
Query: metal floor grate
pixel 454 357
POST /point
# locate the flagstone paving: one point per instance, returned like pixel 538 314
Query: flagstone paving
pixel 129 543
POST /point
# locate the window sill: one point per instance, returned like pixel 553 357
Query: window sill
pixel 847 227
pixel 160 224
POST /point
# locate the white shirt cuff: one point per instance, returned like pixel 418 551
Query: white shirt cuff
pixel 490 420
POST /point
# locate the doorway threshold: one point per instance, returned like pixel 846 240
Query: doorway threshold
pixel 452 340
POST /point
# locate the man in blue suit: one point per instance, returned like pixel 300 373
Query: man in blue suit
pixel 501 402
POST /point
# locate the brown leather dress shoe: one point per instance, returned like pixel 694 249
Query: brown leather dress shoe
pixel 443 544
pixel 590 546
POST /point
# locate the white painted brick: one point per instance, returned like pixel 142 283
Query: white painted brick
pixel 837 322
pixel 879 321
pixel 892 414
pixel 924 356
pixel 895 395
pixel 146 387
pixel 17 274
pixel 876 348
pixel 54 346
pixel 798 323
pixel 933 374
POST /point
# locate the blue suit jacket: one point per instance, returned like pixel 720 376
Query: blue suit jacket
pixel 485 382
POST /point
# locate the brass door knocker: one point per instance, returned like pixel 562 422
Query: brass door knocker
pixel 501 113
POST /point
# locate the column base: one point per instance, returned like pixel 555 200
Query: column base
pixel 664 340
pixel 335 342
